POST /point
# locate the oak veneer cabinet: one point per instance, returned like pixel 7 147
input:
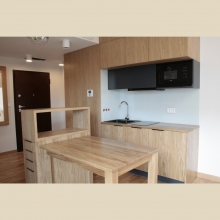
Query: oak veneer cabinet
pixel 177 144
pixel 112 53
pixel 179 48
pixel 106 39
pixel 142 50
pixel 36 159
pixel 136 50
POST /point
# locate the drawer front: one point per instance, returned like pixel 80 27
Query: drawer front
pixel 30 176
pixel 29 146
pixel 30 164
pixel 29 155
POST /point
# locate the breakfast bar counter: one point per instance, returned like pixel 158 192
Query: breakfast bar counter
pixel 107 158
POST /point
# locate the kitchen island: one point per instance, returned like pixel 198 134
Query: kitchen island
pixel 72 155
pixel 107 158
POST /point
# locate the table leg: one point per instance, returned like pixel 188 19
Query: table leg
pixel 111 177
pixel 153 168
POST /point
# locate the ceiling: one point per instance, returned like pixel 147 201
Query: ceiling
pixel 53 51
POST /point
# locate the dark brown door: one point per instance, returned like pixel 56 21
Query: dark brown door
pixel 31 91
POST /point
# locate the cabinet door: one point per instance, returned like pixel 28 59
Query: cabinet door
pixel 106 39
pixel 119 133
pixel 138 135
pixel 136 49
pixel 112 53
pixel 172 153
pixel 161 48
pixel 107 131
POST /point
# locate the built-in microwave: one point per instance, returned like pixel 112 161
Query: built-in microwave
pixel 178 74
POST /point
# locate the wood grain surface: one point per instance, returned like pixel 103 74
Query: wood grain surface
pixel 82 73
pixel 136 50
pixel 112 157
pixel 112 54
pixel 161 126
pixel 106 39
pixel 12 171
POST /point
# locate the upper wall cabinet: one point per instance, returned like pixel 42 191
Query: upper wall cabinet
pixel 106 39
pixel 163 48
pixel 136 49
pixel 112 53
pixel 141 50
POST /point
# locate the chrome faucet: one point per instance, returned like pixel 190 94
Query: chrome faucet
pixel 127 116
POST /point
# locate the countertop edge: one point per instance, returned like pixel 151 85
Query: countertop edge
pixel 184 128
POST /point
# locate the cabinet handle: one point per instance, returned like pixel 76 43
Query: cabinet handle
pixel 30 170
pixel 29 151
pixel 157 130
pixel 29 160
pixel 136 127
pixel 28 141
pixel 118 125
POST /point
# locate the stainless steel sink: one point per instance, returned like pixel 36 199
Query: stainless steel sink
pixel 122 121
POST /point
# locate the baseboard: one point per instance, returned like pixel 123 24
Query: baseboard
pixel 159 178
pixel 208 177
pixel 8 152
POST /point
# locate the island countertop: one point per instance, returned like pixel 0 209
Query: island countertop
pixel 104 157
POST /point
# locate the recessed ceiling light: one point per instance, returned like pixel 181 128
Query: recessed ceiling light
pixel 61 63
pixel 28 58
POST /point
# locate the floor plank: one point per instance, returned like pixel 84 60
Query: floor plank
pixel 12 171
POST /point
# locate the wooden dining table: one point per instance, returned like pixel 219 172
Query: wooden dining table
pixel 105 157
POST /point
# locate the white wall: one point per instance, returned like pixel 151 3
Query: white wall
pixel 7 133
pixel 209 119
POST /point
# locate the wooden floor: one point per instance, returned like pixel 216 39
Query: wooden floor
pixel 12 171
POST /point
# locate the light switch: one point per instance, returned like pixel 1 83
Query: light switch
pixel 90 93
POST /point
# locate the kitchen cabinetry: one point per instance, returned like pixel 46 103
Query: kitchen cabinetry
pixel 119 133
pixel 140 136
pixel 112 53
pixel 141 50
pixel 115 132
pixel 34 157
pixel 177 144
pixel 136 50
pixel 106 131
pixel 168 48
pixel 106 39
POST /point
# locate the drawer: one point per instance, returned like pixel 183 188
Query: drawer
pixel 29 146
pixel 30 164
pixel 29 155
pixel 31 176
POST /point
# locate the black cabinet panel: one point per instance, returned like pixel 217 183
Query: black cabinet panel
pixel 132 78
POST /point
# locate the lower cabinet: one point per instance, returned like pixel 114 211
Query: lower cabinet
pixel 30 162
pixel 138 135
pixel 106 131
pixel 119 133
pixel 178 151
pixel 172 153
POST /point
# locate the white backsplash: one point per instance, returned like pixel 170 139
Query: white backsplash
pixel 150 105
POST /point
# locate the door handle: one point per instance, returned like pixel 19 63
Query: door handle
pixel 20 106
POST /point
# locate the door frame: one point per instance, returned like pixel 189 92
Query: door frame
pixel 20 148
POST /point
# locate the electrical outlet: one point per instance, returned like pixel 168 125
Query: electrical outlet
pixel 171 110
pixel 90 93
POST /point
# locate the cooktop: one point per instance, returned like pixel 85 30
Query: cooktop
pixel 145 123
